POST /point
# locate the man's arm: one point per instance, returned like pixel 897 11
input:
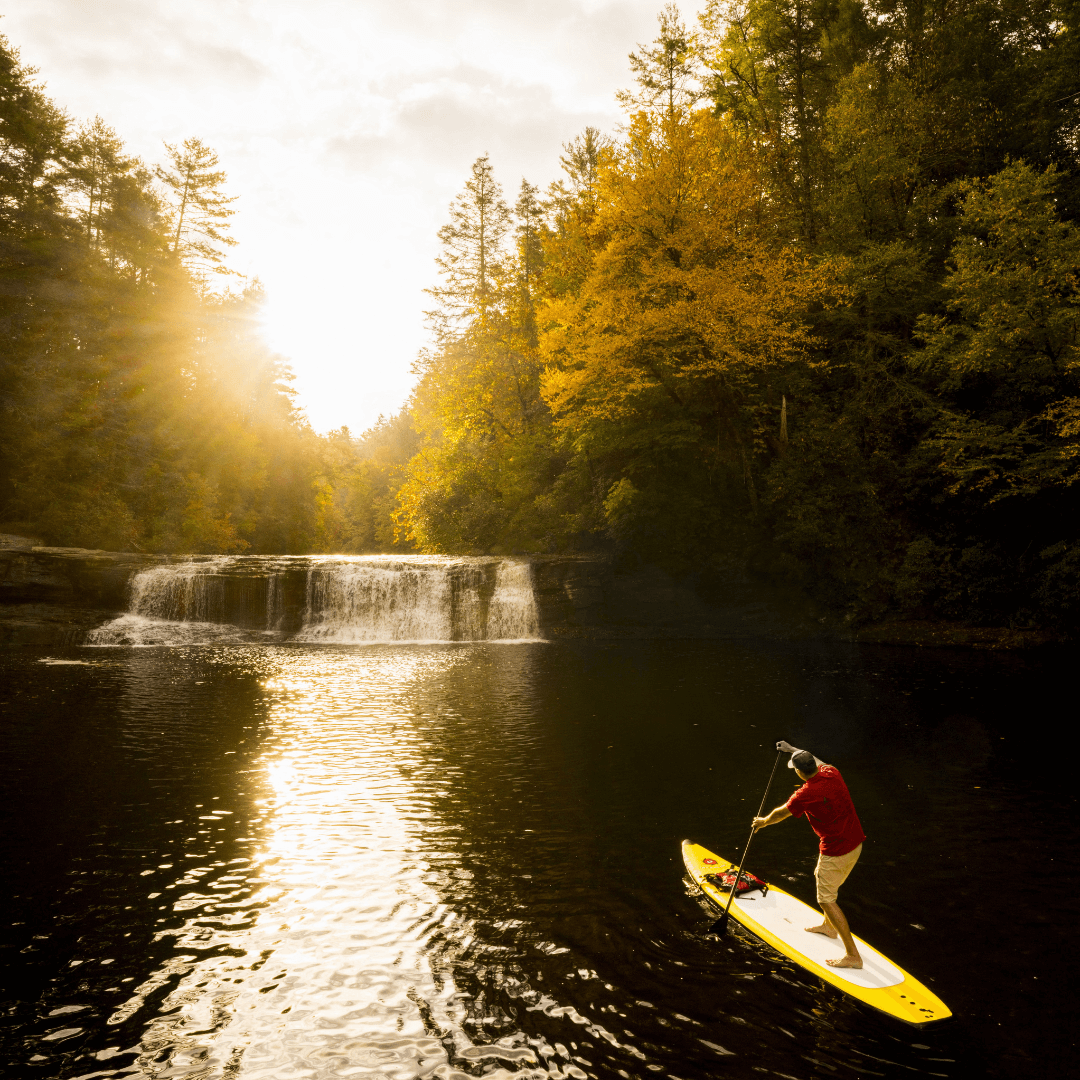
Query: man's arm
pixel 781 813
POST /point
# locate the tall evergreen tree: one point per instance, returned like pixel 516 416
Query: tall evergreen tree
pixel 472 254
pixel 200 209
pixel 530 214
pixel 774 66
pixel 100 165
pixel 667 72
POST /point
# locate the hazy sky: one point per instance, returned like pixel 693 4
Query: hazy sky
pixel 346 127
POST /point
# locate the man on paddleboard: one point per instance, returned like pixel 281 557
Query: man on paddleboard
pixel 825 801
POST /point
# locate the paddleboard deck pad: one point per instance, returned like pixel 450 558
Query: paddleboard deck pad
pixel 780 920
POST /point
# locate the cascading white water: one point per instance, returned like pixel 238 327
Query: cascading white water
pixel 512 614
pixel 275 602
pixel 139 630
pixel 422 601
pixel 365 599
pixel 184 592
pixel 359 602
pixel 173 604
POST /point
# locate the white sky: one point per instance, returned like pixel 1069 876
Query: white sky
pixel 346 127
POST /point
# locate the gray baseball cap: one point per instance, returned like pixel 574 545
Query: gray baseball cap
pixel 794 751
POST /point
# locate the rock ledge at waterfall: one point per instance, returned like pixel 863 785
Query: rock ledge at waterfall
pixel 70 596
pixel 57 596
pixel 53 596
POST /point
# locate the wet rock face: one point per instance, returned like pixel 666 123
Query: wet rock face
pixel 47 624
pixel 20 543
pixel 593 596
pixel 25 578
pixel 571 592
pixel 53 596
pixel 68 575
pixel 590 595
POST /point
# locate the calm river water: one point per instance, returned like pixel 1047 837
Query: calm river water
pixel 448 861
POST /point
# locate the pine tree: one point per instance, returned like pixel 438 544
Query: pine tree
pixel 100 164
pixel 666 72
pixel 580 161
pixel 775 65
pixel 472 253
pixel 36 150
pixel 200 208
pixel 530 213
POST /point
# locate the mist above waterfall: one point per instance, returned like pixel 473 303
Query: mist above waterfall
pixel 365 599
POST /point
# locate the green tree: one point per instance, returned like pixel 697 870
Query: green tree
pixel 100 164
pixel 1000 462
pixel 199 208
pixel 570 246
pixel 530 231
pixel 774 66
pixel 485 456
pixel 470 262
pixel 667 72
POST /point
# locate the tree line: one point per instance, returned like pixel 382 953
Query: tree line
pixel 141 408
pixel 812 311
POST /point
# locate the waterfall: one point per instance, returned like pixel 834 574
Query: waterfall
pixel 359 602
pixel 512 614
pixel 275 602
pixel 179 604
pixel 420 601
pixel 190 592
pixel 347 600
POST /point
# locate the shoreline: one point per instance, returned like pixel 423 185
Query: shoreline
pixel 53 596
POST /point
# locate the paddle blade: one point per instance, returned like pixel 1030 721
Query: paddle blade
pixel 719 928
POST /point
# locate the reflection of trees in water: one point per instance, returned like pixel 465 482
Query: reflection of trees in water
pixel 197 723
pixel 345 922
pixel 574 935
pixel 476 725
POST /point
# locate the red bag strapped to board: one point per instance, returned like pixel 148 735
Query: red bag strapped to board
pixel 747 882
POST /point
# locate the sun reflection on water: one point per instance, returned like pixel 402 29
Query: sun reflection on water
pixel 328 954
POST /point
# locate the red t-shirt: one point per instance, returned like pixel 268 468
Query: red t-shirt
pixel 825 801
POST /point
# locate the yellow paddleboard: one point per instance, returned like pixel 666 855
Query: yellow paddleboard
pixel 780 919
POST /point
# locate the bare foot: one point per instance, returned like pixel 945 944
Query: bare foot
pixel 824 928
pixel 846 962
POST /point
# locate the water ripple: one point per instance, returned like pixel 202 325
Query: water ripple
pixel 399 862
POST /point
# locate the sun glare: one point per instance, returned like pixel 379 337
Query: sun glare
pixel 285 327
pixel 349 363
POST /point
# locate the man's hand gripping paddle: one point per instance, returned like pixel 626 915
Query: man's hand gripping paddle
pixel 720 926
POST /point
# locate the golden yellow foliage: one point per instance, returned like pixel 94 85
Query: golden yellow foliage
pixel 684 299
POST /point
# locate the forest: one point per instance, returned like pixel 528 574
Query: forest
pixel 813 312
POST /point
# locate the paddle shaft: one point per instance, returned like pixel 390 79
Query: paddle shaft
pixel 722 925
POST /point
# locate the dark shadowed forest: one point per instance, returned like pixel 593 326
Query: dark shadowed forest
pixel 814 311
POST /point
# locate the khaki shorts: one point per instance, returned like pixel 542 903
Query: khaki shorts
pixel 831 872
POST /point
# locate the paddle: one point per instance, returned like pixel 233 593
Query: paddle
pixel 720 926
